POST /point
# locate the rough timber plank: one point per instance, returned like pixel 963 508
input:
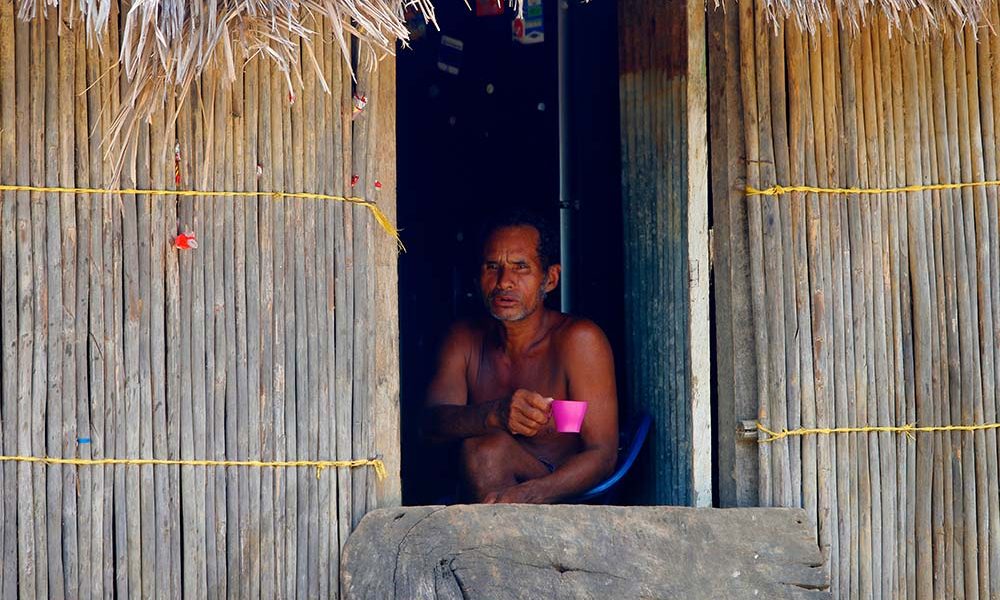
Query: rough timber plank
pixel 364 293
pixel 583 552
pixel 386 436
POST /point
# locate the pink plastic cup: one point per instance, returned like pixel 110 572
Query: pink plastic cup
pixel 568 415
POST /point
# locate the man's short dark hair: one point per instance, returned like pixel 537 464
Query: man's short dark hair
pixel 548 243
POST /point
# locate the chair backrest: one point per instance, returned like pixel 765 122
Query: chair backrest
pixel 632 440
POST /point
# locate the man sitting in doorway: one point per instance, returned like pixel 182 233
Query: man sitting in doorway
pixel 497 376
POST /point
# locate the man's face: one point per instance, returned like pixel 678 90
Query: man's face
pixel 511 277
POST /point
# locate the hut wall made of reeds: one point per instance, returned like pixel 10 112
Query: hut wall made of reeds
pixel 274 340
pixel 851 310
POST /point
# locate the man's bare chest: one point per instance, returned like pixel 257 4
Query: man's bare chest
pixel 495 376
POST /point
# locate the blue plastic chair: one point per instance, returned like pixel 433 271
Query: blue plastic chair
pixel 631 441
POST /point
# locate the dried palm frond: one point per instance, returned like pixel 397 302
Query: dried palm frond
pixel 167 44
pixel 914 17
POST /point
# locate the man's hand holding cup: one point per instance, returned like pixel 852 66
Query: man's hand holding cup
pixel 525 413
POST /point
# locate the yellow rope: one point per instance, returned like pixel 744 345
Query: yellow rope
pixel 778 190
pixel 319 465
pixel 908 429
pixel 380 217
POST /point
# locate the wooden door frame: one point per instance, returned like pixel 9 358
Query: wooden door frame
pixel 700 350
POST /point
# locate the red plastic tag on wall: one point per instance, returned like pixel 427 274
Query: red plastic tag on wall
pixel 354 180
pixel 378 184
pixel 185 241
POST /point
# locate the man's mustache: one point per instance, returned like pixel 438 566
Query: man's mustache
pixel 503 295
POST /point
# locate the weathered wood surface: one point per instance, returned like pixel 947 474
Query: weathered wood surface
pixel 583 552
pixel 653 64
pixel 735 359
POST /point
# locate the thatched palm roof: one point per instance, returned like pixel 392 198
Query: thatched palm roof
pixel 904 16
pixel 166 44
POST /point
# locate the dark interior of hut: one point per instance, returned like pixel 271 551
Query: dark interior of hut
pixel 478 128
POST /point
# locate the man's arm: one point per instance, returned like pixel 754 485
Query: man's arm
pixel 590 370
pixel 449 415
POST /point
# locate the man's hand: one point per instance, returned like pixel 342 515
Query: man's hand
pixel 522 493
pixel 525 413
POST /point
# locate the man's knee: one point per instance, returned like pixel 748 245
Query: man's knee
pixel 487 462
pixel 486 450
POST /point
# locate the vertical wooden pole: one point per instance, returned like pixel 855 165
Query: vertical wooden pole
pixel 116 577
pixel 144 408
pixel 83 444
pixel 921 321
pixel 950 309
pixel 291 448
pixel 755 219
pixel 179 126
pixel 50 404
pixel 893 141
pixel 296 411
pixel 30 537
pixel 328 567
pixel 236 320
pixel 987 485
pixel 156 430
pixel 253 310
pixel 804 400
pixel 344 300
pixel 935 258
pixel 278 209
pixel 831 528
pixel 309 411
pixel 265 214
pixel 975 524
pixel 201 270
pixel 10 231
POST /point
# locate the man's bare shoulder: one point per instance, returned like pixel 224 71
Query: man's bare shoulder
pixel 464 335
pixel 578 335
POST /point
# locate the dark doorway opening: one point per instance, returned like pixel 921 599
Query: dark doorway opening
pixel 478 128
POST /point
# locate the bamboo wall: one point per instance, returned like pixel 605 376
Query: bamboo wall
pixel 274 339
pixel 865 309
